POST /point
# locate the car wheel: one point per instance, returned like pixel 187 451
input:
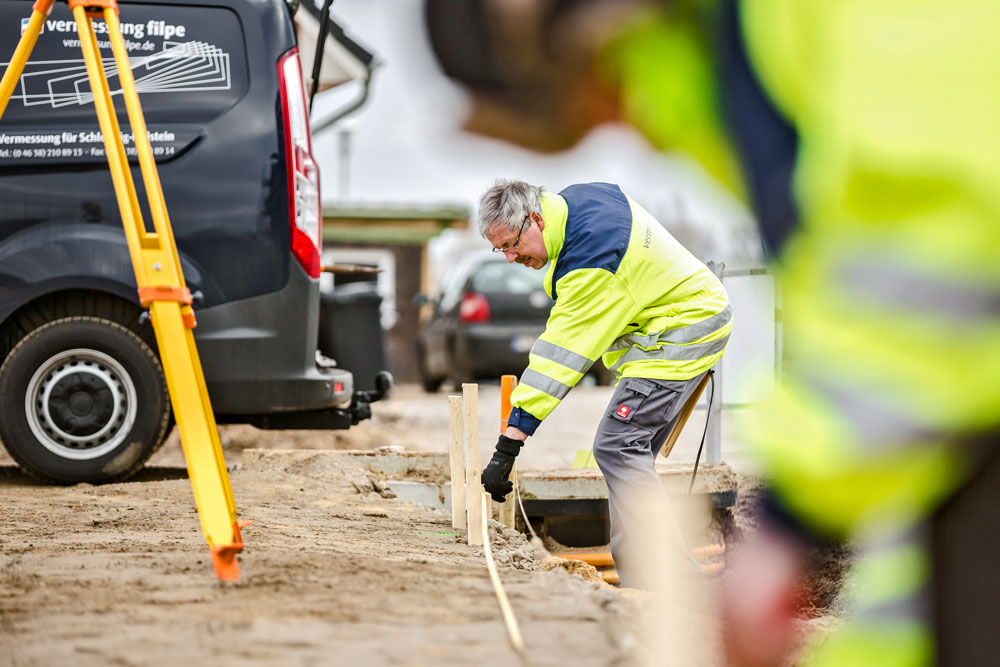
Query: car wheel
pixel 430 383
pixel 85 400
pixel 458 367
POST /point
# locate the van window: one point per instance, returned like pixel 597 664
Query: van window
pixel 189 65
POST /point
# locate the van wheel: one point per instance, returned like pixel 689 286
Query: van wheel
pixel 85 400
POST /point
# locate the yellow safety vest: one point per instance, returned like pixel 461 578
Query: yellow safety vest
pixel 623 288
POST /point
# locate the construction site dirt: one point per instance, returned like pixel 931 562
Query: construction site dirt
pixel 334 572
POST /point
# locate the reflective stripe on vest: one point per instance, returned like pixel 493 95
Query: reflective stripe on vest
pixel 675 341
pixel 544 383
pixel 897 568
pixel 877 425
pixel 673 352
pixel 561 355
pixel 678 336
pixel 904 287
pixel 693 332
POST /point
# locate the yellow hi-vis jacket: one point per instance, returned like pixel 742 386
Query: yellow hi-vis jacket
pixel 623 288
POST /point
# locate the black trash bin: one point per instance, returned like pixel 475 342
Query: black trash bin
pixel 350 331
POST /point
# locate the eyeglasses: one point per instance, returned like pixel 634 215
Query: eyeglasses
pixel 527 220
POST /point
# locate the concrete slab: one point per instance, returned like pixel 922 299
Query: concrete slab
pixel 422 477
pixel 589 483
pixel 396 464
pixel 437 496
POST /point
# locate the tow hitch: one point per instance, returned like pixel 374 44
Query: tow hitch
pixel 361 408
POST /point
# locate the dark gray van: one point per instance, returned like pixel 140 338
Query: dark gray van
pixel 82 392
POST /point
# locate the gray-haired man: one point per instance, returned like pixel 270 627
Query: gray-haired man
pixel 623 288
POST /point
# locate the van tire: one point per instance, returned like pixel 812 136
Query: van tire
pixel 97 424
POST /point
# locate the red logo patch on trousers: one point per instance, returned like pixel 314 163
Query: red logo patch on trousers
pixel 623 411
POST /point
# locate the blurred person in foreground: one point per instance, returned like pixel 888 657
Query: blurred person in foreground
pixel 623 288
pixel 865 135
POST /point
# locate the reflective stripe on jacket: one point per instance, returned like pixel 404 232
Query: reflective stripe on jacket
pixel 623 288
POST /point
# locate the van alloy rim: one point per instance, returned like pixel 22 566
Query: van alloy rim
pixel 80 404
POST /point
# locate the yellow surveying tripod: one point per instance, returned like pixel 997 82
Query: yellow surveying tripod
pixel 157 272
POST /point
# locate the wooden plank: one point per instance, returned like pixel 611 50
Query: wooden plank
pixel 473 467
pixel 457 458
pixel 682 418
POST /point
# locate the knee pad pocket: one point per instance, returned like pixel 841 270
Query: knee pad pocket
pixel 629 401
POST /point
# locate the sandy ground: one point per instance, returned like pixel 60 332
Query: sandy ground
pixel 332 574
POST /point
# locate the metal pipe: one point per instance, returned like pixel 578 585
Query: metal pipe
pixel 319 126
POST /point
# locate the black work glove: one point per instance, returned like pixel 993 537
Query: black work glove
pixel 495 475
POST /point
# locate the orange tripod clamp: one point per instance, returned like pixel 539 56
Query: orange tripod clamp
pixel 181 295
pixel 43 6
pixel 94 7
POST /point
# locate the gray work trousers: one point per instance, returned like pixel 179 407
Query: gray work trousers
pixel 645 537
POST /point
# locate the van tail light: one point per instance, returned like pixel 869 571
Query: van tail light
pixel 474 308
pixel 304 213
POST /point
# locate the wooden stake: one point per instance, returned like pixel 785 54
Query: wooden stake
pixel 457 456
pixel 473 467
pixel 507 384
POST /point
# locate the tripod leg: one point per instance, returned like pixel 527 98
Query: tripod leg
pixel 39 12
pixel 147 165
pixel 161 288
pixel 121 177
